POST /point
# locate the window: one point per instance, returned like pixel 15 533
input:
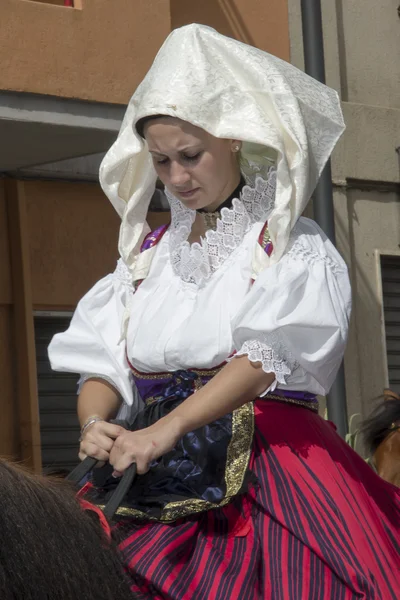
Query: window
pixel 59 426
pixel 390 267
pixel 56 2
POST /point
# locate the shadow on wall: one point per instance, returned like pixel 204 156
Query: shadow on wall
pixel 223 14
pixel 373 225
pixel 255 22
pixel 365 220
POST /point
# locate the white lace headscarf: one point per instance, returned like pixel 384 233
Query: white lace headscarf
pixel 233 91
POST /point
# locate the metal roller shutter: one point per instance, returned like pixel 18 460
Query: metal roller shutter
pixel 391 302
pixel 59 426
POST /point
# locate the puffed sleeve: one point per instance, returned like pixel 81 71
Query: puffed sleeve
pixel 92 344
pixel 295 318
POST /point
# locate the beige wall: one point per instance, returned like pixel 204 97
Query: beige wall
pixel 370 51
pixel 375 230
pixel 367 225
pixel 362 63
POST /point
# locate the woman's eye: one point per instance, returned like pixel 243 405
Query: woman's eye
pixel 162 161
pixel 193 157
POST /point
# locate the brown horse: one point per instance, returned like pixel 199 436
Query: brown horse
pixel 381 432
pixel 54 546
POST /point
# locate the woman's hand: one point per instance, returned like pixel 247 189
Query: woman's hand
pixel 144 446
pixel 98 439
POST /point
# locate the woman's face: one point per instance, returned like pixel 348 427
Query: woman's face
pixel 196 167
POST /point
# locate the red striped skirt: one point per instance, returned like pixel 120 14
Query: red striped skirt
pixel 319 524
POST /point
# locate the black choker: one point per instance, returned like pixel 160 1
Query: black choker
pixel 228 202
pixel 210 218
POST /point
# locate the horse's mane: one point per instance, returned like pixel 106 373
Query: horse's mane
pixel 49 546
pixel 377 426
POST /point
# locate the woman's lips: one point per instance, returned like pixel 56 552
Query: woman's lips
pixel 188 194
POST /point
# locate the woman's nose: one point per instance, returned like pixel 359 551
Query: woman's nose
pixel 179 176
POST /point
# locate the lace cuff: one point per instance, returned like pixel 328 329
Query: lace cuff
pixel 87 376
pixel 275 358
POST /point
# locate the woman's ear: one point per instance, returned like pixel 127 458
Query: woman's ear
pixel 236 145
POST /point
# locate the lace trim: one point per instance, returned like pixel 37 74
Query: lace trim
pixel 123 274
pixel 87 376
pixel 273 355
pixel 195 263
pixel 259 200
pixel 299 250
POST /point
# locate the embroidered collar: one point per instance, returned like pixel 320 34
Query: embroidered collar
pixel 211 218
pixel 195 263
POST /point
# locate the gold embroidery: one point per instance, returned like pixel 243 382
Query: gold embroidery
pixel 239 448
pixel 314 406
pixel 158 376
pixel 198 384
pixel 238 453
pixel 150 400
pixel 238 456
pixel 168 375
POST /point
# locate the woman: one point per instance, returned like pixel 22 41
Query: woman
pixel 52 549
pixel 226 325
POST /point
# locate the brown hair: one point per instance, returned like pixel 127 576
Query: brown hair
pixel 49 547
pixel 142 122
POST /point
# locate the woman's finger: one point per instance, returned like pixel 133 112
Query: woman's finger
pixel 124 453
pixel 109 429
pixel 89 449
pixel 99 439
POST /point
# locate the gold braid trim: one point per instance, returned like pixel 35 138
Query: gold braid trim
pixel 238 456
pixel 314 406
pixel 169 375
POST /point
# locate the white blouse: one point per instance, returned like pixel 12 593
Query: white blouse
pixel 198 305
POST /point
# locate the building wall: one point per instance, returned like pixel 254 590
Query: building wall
pixel 369 52
pixel 361 58
pixel 73 239
pixel 8 420
pixel 98 52
pixel 375 230
pixel 261 23
pixel 101 50
pixel 64 238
